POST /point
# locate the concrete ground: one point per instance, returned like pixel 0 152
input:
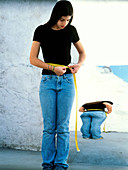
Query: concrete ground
pixel 110 153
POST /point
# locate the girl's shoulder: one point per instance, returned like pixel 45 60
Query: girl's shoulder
pixel 71 27
pixel 41 28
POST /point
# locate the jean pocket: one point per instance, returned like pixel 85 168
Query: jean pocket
pixel 45 78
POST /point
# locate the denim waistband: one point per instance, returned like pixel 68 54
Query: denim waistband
pixel 64 76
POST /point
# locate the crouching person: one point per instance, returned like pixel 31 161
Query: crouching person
pixel 93 116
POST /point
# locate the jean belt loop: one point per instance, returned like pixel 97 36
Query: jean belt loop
pixel 64 76
pixel 50 77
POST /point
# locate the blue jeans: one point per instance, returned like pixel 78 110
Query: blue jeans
pixel 92 120
pixel 56 98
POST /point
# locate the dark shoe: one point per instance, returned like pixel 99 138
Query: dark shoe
pixel 48 168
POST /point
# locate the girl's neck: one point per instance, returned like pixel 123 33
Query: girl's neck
pixel 55 28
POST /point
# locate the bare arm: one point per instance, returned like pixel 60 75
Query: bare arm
pixel 34 56
pixel 108 106
pixel 82 56
pixel 81 109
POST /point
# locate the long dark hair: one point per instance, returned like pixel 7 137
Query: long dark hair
pixel 61 8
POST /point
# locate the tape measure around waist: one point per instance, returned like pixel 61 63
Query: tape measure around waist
pixel 94 109
pixel 58 65
pixel 105 114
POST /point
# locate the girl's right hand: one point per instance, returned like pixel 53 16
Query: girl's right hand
pixel 81 109
pixel 60 70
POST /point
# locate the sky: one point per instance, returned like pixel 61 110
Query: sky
pixel 103 30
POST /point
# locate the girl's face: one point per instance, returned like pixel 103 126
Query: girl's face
pixel 62 22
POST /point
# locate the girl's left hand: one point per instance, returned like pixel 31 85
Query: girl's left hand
pixel 74 68
pixel 108 106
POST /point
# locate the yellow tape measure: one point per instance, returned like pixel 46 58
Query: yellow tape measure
pixel 58 65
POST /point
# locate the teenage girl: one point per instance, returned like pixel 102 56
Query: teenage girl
pixel 57 85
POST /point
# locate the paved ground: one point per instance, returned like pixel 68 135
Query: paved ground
pixel 110 153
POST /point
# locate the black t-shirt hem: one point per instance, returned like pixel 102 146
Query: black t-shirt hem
pixel 49 72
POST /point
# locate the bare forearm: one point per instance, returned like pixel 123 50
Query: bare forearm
pixel 38 63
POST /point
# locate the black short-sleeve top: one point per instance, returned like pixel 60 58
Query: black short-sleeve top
pixel 96 105
pixel 56 44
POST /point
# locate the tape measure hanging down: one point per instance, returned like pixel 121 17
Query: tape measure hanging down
pixel 76 141
pixel 105 123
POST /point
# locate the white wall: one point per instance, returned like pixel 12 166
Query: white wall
pixel 20 113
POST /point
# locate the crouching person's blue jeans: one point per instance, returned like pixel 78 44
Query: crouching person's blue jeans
pixel 92 121
pixel 56 98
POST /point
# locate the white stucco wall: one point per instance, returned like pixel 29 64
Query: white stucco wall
pixel 20 113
